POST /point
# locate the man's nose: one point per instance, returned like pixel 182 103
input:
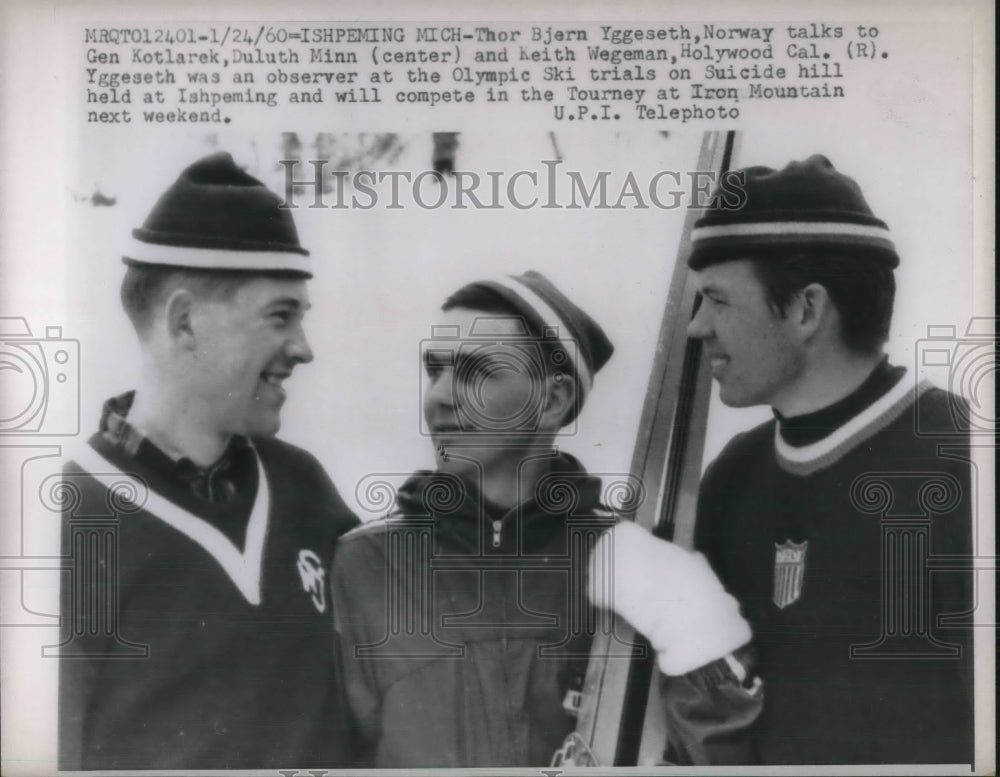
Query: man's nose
pixel 298 348
pixel 700 326
pixel 440 389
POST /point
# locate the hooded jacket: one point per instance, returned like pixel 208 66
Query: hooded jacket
pixel 465 631
pixel 466 628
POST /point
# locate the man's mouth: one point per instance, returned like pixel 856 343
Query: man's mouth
pixel 274 380
pixel 444 434
pixel 443 424
pixel 718 363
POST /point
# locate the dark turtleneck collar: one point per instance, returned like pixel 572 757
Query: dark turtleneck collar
pixel 806 429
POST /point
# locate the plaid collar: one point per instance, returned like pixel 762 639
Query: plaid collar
pixel 218 483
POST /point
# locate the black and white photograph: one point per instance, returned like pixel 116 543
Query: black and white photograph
pixel 394 388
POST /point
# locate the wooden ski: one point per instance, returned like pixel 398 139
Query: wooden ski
pixel 620 721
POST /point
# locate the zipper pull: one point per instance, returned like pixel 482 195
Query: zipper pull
pixel 497 525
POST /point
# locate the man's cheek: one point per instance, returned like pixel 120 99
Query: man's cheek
pixel 520 401
pixel 487 395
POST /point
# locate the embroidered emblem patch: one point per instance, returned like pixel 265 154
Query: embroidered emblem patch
pixel 313 578
pixel 789 570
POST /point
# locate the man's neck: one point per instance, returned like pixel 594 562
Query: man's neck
pixel 506 484
pixel 176 426
pixel 825 381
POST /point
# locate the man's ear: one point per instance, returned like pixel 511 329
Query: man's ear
pixel 560 396
pixel 177 312
pixel 812 310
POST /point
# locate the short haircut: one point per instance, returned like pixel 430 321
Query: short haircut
pixel 146 286
pixel 862 290
pixel 487 300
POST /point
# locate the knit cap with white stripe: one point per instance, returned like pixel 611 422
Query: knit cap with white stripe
pixel 217 217
pixel 805 206
pixel 553 314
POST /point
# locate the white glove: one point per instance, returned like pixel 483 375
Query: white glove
pixel 670 595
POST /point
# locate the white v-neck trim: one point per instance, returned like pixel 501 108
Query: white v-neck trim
pixel 243 568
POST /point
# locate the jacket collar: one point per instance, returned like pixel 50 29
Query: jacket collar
pixel 459 509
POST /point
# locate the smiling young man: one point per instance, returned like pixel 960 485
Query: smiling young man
pixel 825 522
pixel 203 639
pixel 463 616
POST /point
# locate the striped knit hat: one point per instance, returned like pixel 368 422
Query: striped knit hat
pixel 218 217
pixel 806 205
pixel 551 312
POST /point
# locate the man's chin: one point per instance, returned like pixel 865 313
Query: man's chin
pixel 737 399
pixel 263 427
pixel 459 461
pixel 730 400
pixel 448 459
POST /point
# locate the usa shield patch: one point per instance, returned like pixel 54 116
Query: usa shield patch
pixel 789 570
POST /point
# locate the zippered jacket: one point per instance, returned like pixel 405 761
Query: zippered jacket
pixel 466 630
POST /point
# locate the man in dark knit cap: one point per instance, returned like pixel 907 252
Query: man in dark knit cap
pixel 201 639
pixel 463 615
pixel 826 521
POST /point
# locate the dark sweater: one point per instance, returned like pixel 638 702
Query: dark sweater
pixel 221 656
pixel 837 549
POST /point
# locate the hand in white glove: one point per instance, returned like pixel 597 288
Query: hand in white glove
pixel 670 595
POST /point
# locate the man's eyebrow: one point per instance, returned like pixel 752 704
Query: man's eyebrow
pixel 294 302
pixel 712 288
pixel 480 359
pixel 433 357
